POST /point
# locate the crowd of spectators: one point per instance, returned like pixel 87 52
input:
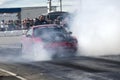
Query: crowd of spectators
pixel 10 25
pixel 27 23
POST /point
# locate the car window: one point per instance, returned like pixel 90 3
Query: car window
pixel 51 33
pixel 52 30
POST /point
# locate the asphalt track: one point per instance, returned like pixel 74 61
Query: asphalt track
pixel 76 68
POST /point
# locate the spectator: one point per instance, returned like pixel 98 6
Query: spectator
pixel 28 23
pixel 42 20
pixel 36 21
pixel 6 25
pixel 2 25
pixel 24 24
pixel 31 22
pixel 11 25
pixel 17 24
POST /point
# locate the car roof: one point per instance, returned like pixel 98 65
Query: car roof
pixel 45 25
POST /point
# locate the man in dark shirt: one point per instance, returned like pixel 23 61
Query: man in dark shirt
pixel 42 20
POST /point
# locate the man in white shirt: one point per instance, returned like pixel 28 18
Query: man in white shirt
pixel 2 25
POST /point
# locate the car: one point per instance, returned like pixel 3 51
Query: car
pixel 52 38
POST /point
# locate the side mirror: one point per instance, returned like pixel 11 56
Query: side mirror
pixel 28 35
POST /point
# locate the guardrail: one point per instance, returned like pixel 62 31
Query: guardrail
pixel 12 33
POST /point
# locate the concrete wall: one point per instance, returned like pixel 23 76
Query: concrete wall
pixel 32 12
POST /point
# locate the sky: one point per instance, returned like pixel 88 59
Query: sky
pixel 32 3
pixel 67 4
pixel 21 3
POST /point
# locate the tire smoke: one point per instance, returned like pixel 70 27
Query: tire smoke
pixel 97 27
pixel 37 53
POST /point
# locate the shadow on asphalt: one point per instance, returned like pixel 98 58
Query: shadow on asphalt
pixel 8 78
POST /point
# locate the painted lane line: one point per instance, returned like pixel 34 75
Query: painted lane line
pixel 13 74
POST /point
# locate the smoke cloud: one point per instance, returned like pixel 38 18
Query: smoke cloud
pixel 37 53
pixel 97 27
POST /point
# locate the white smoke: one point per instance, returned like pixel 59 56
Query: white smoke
pixel 97 27
pixel 37 53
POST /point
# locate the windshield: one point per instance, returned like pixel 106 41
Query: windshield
pixel 51 34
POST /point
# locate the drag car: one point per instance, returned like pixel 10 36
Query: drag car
pixel 53 38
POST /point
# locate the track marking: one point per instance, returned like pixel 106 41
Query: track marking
pixel 13 74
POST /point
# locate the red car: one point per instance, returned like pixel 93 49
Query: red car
pixel 54 39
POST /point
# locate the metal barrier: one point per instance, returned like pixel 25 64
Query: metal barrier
pixel 12 33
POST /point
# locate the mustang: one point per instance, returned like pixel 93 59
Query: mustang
pixel 52 38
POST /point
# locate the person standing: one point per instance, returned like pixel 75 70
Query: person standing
pixel 2 25
pixel 42 20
